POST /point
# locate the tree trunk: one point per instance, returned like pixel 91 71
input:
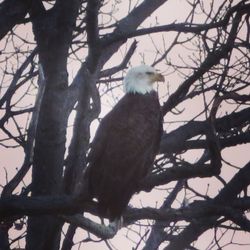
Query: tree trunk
pixel 53 32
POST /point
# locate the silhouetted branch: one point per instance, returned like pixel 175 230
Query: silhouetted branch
pixel 225 197
pixel 123 64
pixel 178 140
pixel 212 59
pixel 10 16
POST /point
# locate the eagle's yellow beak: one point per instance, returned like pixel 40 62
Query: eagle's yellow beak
pixel 158 77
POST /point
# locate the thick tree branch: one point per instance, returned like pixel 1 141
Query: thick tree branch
pixel 99 230
pixel 231 141
pixel 92 30
pixel 10 16
pixel 92 22
pixel 67 205
pixel 177 27
pixel 177 140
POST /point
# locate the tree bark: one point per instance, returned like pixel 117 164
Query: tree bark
pixel 53 33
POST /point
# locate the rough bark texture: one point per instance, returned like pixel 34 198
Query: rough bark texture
pixel 53 33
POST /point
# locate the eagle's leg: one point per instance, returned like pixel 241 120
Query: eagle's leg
pixel 116 224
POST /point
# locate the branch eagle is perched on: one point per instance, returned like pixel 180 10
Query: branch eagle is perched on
pixel 126 143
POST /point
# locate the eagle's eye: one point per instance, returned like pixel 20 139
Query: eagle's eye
pixel 149 73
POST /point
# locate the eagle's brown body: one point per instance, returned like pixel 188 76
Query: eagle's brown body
pixel 123 151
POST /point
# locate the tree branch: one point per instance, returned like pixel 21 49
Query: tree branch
pixel 10 16
pixel 123 64
pixel 211 60
pixel 225 197
pixel 177 140
pixel 177 27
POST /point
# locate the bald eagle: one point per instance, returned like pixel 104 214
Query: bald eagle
pixel 126 142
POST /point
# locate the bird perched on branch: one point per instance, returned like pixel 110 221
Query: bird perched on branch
pixel 126 142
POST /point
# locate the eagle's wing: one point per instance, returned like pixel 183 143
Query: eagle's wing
pixel 123 151
pixel 98 144
pixel 112 123
pixel 124 134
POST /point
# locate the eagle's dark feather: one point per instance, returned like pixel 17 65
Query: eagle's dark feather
pixel 123 151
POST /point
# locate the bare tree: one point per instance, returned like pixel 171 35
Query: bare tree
pixel 55 73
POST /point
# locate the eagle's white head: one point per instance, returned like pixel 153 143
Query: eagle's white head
pixel 140 79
